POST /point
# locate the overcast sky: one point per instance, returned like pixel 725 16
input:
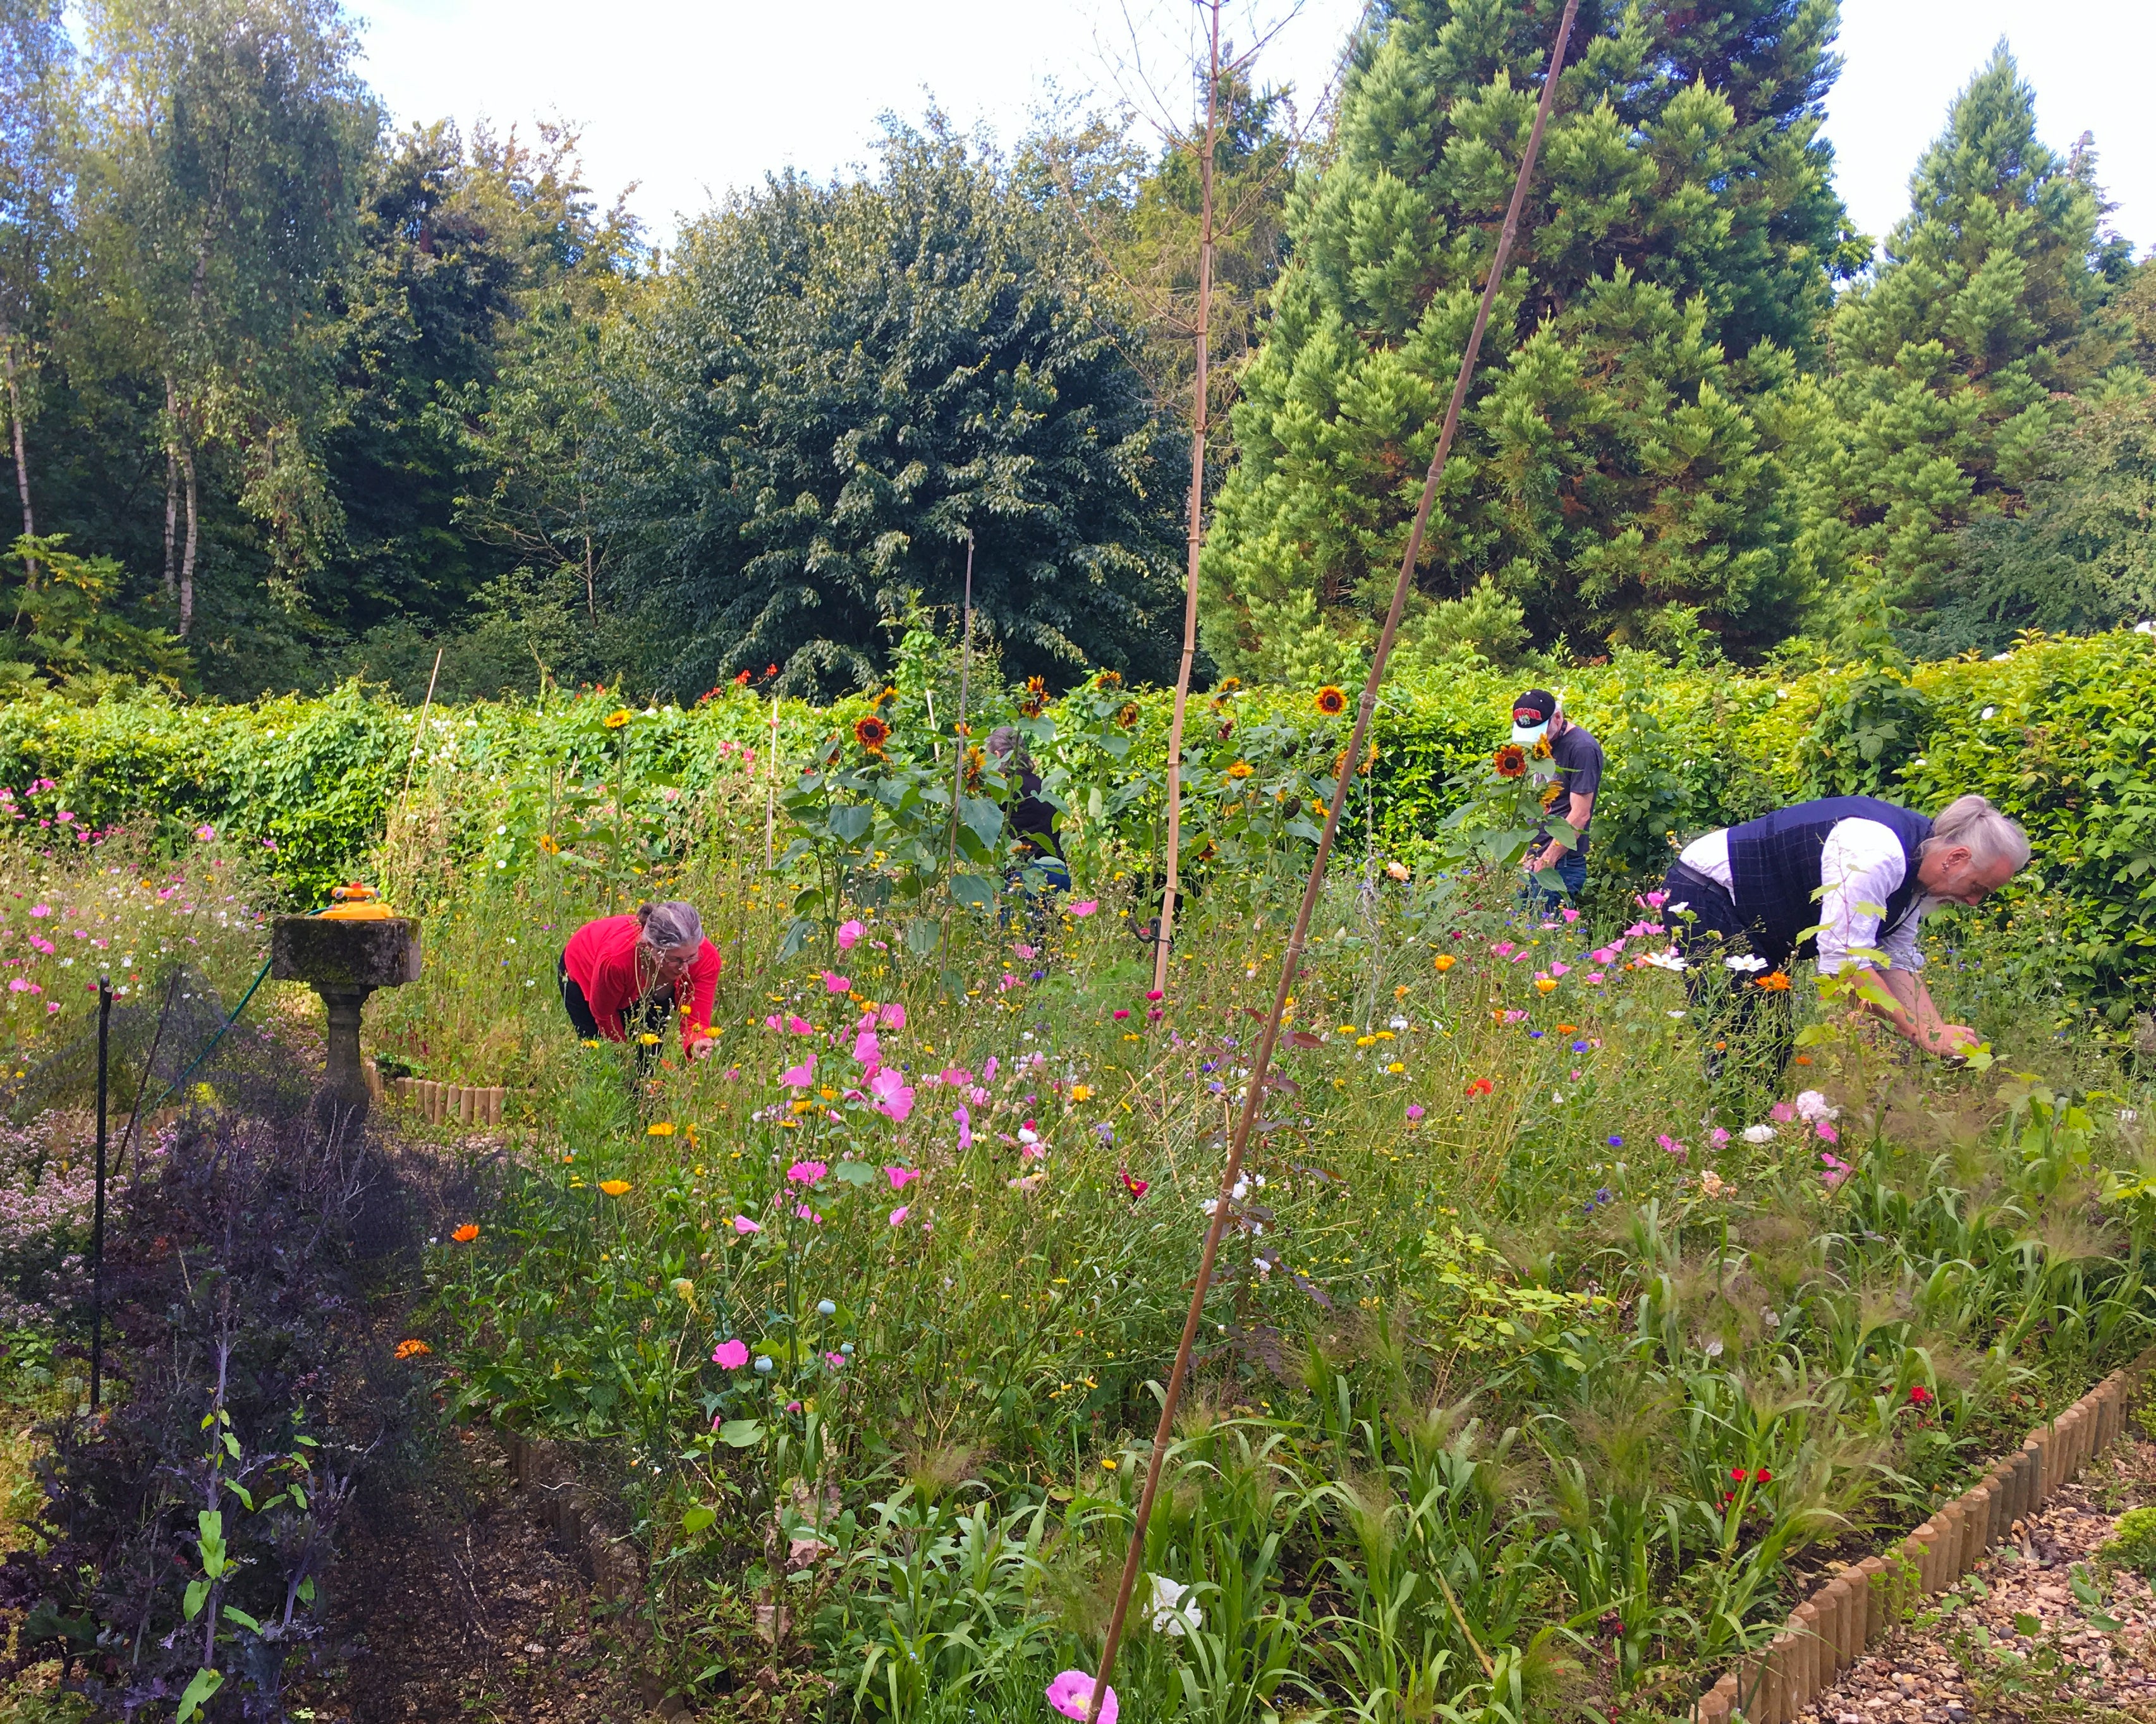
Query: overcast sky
pixel 689 99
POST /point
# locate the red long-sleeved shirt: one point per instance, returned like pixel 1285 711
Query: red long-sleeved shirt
pixel 601 959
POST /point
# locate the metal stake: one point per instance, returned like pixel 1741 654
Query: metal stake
pixel 97 1216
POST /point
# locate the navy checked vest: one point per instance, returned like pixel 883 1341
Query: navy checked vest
pixel 1774 866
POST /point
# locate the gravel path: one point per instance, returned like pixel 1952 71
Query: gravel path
pixel 2038 1632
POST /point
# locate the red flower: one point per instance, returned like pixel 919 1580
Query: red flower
pixel 1136 1187
pixel 1762 1477
pixel 1738 1475
pixel 1481 1086
pixel 1919 1396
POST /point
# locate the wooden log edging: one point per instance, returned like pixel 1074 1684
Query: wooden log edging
pixel 1862 1605
pixel 460 1104
pixel 542 1471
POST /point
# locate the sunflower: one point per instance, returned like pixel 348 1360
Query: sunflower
pixel 1126 715
pixel 876 705
pixel 1542 748
pixel 975 760
pixel 1369 760
pixel 1510 761
pixel 551 844
pixel 1229 684
pixel 872 732
pixel 616 719
pixel 1108 679
pixel 1242 769
pixel 1036 697
pixel 1331 701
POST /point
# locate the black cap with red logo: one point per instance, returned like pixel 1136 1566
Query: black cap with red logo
pixel 1531 714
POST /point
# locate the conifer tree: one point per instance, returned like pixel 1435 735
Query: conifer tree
pixel 1611 477
pixel 1950 367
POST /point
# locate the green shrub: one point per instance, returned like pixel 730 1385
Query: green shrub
pixel 2132 1542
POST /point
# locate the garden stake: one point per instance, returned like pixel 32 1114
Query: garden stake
pixel 1164 929
pixel 1290 960
pixel 958 731
pixel 771 783
pixel 419 735
pixel 97 1214
pixel 149 1065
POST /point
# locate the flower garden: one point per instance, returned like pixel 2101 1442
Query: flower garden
pixel 1542 1371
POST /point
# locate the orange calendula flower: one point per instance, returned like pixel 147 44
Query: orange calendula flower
pixel 1545 984
pixel 1774 981
pixel 615 1187
pixel 872 732
pixel 1242 769
pixel 1567 1029
pixel 660 1128
pixel 1443 961
pixel 413 1349
pixel 1510 761
pixel 1331 701
pixel 550 844
pixel 466 1234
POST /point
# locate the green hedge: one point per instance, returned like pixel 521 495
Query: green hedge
pixel 2058 733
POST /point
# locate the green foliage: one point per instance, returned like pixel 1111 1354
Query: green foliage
pixel 835 387
pixel 1948 363
pixel 65 630
pixel 1612 462
pixel 2133 1542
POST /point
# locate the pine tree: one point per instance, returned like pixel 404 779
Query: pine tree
pixel 1949 366
pixel 1611 477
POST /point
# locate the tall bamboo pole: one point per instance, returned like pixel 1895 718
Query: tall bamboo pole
pixel 1165 929
pixel 1291 960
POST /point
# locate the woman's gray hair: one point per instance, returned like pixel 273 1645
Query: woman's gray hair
pixel 1005 743
pixel 1990 835
pixel 671 926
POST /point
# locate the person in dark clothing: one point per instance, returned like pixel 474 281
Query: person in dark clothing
pixel 1575 758
pixel 1041 851
pixel 1847 879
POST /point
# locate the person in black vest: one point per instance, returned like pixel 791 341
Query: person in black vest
pixel 1577 758
pixel 1750 893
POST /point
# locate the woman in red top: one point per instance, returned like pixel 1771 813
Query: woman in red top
pixel 624 974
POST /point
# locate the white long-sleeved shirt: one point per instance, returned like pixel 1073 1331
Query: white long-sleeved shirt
pixel 1862 864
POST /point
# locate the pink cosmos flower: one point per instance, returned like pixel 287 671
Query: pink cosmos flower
pixel 745 1226
pixel 19 985
pixel 1656 899
pixel 731 1354
pixel 965 1127
pixel 1827 1134
pixel 850 933
pixel 1719 1136
pixel 807 1173
pixel 1504 948
pixel 51 1006
pixel 207 834
pixel 892 1017
pixel 802 1212
pixel 1595 976
pixel 834 982
pixel 1603 955
pixel 1085 908
pixel 799 1077
pixel 1007 983
pixel 1024 951
pixel 1514 1017
pixel 798 1026
pixel 41 910
pixel 901 1178
pixel 898 1216
pixel 868 1049
pixel 1072 1693
pixel 1568 913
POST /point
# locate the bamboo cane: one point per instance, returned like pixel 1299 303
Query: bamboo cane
pixel 1290 960
pixel 1164 929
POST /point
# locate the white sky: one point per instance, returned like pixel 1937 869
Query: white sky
pixel 689 99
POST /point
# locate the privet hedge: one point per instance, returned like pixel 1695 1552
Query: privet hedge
pixel 2060 733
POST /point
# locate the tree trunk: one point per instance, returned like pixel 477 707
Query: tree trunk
pixel 21 456
pixel 187 558
pixel 1165 929
pixel 171 479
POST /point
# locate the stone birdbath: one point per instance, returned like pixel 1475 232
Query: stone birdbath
pixel 344 961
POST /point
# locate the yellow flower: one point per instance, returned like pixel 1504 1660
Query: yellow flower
pixel 659 1128
pixel 1242 769
pixel 1443 961
pixel 616 719
pixel 1396 1066
pixel 413 1349
pixel 1081 1092
pixel 549 844
pixel 1544 984
pixel 614 1188
pixel 684 1289
pixel 649 1039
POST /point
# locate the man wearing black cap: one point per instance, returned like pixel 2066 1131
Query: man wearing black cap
pixel 1576 759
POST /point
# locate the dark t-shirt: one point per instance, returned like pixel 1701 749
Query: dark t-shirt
pixel 1578 758
pixel 1032 820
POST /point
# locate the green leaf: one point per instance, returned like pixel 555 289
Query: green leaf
pixel 233 1613
pixel 191 1603
pixel 983 819
pixel 2025 1624
pixel 207 1681
pixel 851 824
pixel 922 934
pixel 307 1590
pixel 972 891
pixel 856 1173
pixel 698 1516
pixel 741 1433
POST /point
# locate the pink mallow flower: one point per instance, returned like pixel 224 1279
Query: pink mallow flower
pixel 868 1049
pixel 892 1017
pixel 965 1127
pixel 893 1095
pixel 850 934
pixel 806 1172
pixel 901 1178
pixel 1072 1693
pixel 745 1226
pixel 1834 1169
pixel 1084 907
pixel 898 1216
pixel 834 982
pixel 799 1077
pixel 731 1354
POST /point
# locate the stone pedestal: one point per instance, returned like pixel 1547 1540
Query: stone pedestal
pixel 344 961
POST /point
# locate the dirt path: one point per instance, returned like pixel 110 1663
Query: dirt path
pixel 468 1610
pixel 2037 1632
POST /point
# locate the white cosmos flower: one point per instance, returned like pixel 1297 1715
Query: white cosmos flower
pixel 1759 1134
pixel 1670 959
pixel 1745 961
pixel 1169 1612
